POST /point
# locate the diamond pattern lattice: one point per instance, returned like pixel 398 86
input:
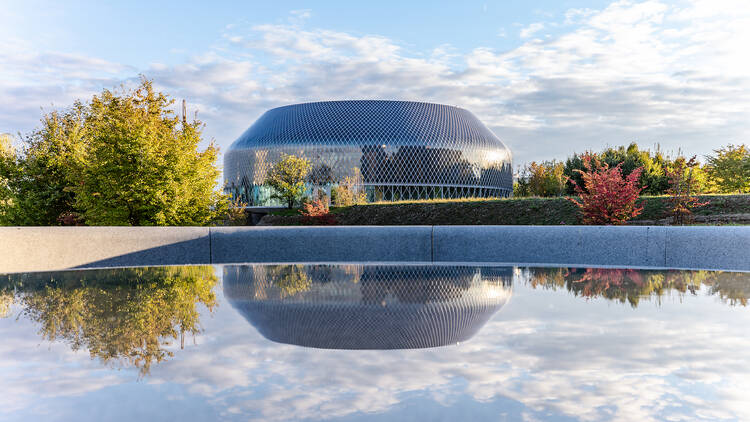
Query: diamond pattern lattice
pixel 398 149
pixel 367 306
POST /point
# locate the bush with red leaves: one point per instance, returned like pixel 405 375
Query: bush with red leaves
pixel 316 212
pixel 607 197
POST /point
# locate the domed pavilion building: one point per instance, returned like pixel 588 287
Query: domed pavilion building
pixel 394 150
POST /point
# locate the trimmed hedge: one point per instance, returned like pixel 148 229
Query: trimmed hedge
pixel 514 211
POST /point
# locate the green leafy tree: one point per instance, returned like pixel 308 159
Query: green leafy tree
pixel 40 176
pixel 142 166
pixel 543 179
pixel 521 185
pixel 7 167
pixel 683 185
pixel 653 178
pixel 287 178
pixel 123 158
pixel 729 169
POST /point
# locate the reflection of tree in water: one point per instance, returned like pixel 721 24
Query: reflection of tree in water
pixel 630 286
pixel 732 288
pixel 121 316
pixel 289 279
pixel 371 284
pixel 6 300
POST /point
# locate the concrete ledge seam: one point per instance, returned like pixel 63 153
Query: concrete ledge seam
pixel 56 248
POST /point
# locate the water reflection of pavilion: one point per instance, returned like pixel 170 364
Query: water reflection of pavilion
pixel 367 307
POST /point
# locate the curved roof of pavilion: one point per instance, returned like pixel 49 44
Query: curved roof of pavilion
pixel 368 122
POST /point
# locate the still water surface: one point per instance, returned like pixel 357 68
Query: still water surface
pixel 374 342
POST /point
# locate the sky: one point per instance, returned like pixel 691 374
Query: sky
pixel 548 77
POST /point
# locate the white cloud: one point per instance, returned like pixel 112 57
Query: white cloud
pixel 301 13
pixel 646 71
pixel 531 29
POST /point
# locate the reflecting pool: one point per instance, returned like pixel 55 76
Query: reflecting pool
pixel 374 342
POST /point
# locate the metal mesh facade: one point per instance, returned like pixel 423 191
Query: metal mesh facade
pixel 395 150
pixel 367 306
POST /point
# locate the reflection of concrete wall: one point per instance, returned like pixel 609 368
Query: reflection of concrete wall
pixel 369 307
pixel 53 248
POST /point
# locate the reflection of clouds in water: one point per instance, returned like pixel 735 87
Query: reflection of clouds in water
pixel 33 371
pixel 553 354
pixel 591 361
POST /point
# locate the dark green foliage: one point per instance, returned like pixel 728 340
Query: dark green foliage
pixel 653 176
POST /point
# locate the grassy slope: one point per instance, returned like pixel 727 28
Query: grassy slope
pixel 540 211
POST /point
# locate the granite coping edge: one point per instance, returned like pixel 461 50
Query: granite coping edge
pixel 689 247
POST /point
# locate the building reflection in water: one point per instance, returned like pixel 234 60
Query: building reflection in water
pixel 367 307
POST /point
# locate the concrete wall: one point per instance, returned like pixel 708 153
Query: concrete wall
pixel 54 248
pixel 599 245
pixel 317 243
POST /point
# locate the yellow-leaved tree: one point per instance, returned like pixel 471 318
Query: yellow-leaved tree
pixel 122 158
pixel 287 178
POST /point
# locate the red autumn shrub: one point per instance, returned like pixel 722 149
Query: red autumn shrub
pixel 682 184
pixel 607 197
pixel 316 212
